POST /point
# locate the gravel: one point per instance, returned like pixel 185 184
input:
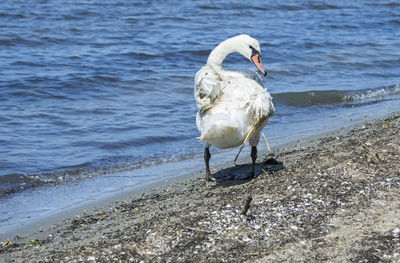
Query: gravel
pixel 335 198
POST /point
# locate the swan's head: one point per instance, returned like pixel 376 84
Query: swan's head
pixel 244 44
pixel 250 48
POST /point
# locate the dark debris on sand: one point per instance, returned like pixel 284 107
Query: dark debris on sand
pixel 336 199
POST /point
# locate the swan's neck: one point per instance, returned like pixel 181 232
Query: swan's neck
pixel 219 53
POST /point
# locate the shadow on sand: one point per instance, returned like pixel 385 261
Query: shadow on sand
pixel 239 174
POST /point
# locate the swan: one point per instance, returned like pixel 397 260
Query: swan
pixel 233 107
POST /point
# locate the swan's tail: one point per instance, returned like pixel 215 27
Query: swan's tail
pixel 216 131
pixel 223 137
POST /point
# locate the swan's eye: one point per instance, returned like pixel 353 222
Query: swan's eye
pixel 254 52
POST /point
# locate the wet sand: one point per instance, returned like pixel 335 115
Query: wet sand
pixel 334 198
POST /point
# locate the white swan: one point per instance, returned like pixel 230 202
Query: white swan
pixel 233 107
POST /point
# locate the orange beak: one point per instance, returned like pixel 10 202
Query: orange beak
pixel 257 61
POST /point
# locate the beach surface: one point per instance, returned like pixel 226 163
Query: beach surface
pixel 333 198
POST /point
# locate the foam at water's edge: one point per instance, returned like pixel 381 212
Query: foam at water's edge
pixel 373 93
pixel 314 97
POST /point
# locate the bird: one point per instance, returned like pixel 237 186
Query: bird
pixel 233 106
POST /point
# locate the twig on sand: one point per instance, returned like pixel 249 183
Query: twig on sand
pixel 247 205
pixel 249 196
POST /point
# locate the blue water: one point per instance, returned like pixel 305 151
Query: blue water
pixel 90 89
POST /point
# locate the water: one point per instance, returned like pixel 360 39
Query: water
pixel 93 90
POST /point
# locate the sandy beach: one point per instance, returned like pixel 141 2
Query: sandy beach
pixel 333 198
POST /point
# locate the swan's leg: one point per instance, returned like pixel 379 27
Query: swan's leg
pixel 253 160
pixel 254 142
pixel 207 157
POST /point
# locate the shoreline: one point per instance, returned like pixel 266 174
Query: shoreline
pixel 32 207
pixel 322 196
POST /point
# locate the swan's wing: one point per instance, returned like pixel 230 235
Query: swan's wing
pixel 261 105
pixel 260 109
pixel 207 88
